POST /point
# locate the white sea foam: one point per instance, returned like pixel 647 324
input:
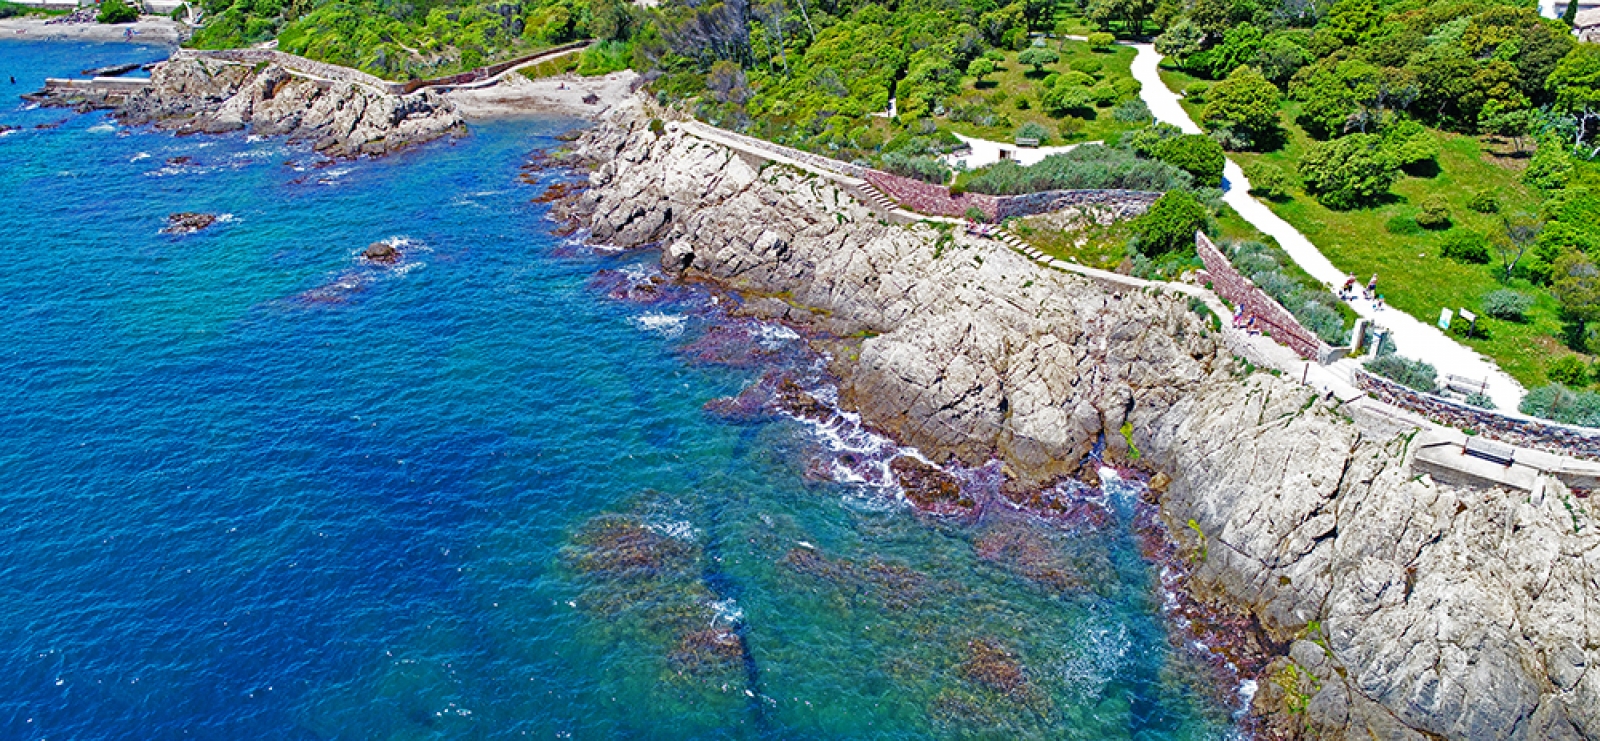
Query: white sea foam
pixel 1101 655
pixel 667 325
pixel 774 336
pixel 140 156
pixel 101 128
pixel 675 529
pixel 726 610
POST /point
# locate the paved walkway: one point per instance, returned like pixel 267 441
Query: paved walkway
pixel 1414 338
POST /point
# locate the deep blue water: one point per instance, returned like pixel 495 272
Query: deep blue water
pixel 253 487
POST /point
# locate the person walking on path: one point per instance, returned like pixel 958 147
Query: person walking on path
pixel 1372 287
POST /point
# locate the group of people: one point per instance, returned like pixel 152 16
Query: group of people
pixel 1370 292
pixel 1240 321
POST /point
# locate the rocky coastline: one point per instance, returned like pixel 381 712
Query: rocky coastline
pixel 1409 609
pixel 190 94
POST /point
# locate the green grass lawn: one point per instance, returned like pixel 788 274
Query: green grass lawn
pixel 1014 82
pixel 1412 275
pixel 551 67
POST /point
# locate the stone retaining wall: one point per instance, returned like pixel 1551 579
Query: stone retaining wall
pixel 1576 442
pixel 1123 202
pixel 1270 316
pixel 761 145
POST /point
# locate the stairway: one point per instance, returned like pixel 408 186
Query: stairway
pixel 876 199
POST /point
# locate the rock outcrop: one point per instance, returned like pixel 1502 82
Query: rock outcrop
pixel 341 119
pixel 1412 610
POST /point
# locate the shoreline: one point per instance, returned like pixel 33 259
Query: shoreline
pixel 1300 512
pixel 516 96
pixel 149 30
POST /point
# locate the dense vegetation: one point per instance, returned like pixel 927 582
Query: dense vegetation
pixel 410 40
pixel 1447 146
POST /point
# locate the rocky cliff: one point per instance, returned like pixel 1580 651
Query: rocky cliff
pixel 341 119
pixel 1411 610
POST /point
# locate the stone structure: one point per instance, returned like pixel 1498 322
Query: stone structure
pixel 337 73
pixel 1270 316
pixel 1410 609
pixel 1577 442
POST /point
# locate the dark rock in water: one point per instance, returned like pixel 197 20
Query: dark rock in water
pixel 381 252
pixel 929 488
pixel 179 161
pixel 114 70
pixel 188 223
pixel 52 125
pixel 4 128
pixel 796 401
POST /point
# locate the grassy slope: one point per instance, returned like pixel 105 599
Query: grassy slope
pixel 1018 81
pixel 1412 276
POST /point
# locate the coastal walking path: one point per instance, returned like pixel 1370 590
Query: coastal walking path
pixel 1413 338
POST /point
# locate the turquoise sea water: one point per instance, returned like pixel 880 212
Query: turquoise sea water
pixel 253 487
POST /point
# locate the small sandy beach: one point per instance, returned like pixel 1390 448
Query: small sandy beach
pixel 148 30
pixel 516 95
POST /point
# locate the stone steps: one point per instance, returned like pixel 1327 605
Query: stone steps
pixel 876 198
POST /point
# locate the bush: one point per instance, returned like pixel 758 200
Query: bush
pixel 1348 172
pixel 1195 154
pixel 1038 57
pixel 1089 167
pixel 1170 224
pixel 1464 245
pixel 1507 304
pixel 1032 130
pixel 1132 110
pixel 1402 225
pixel 1569 371
pixel 117 11
pixel 975 214
pixel 1550 166
pixel 1196 93
pixel 1246 106
pixel 1435 213
pixel 1100 40
pixel 1559 403
pixel 918 166
pixel 1090 67
pixel 1481 401
pixel 1269 181
pixel 1484 202
pixel 1413 374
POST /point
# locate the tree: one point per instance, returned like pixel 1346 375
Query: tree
pixel 1246 103
pixel 1575 83
pixel 1349 171
pixel 1034 131
pixel 1181 40
pixel 1550 167
pixel 1196 154
pixel 1517 235
pixel 1038 57
pixel 1100 40
pixel 1170 224
pixel 980 68
pixel 1131 13
pixel 1577 286
pixel 1061 100
pixel 1570 15
pixel 117 11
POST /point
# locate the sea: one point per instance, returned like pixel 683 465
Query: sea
pixel 255 486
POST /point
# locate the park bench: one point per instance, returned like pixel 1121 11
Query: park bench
pixel 1026 141
pixel 1492 452
pixel 1466 385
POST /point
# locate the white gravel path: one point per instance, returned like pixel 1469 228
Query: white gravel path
pixel 1414 338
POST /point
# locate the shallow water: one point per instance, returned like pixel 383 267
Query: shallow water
pixel 253 487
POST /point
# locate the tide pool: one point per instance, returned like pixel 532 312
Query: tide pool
pixel 252 486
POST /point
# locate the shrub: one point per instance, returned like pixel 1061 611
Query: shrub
pixel 1032 130
pixel 1481 401
pixel 921 167
pixel 1195 154
pixel 1089 167
pixel 117 11
pixel 1507 304
pixel 1270 181
pixel 1569 371
pixel 1087 66
pixel 1402 225
pixel 1348 172
pixel 1103 95
pixel 1132 110
pixel 1435 213
pixel 1322 320
pixel 1464 245
pixel 1413 374
pixel 1550 166
pixel 1196 93
pixel 976 214
pixel 1170 224
pixel 1101 40
pixel 1038 57
pixel 1559 403
pixel 1484 202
